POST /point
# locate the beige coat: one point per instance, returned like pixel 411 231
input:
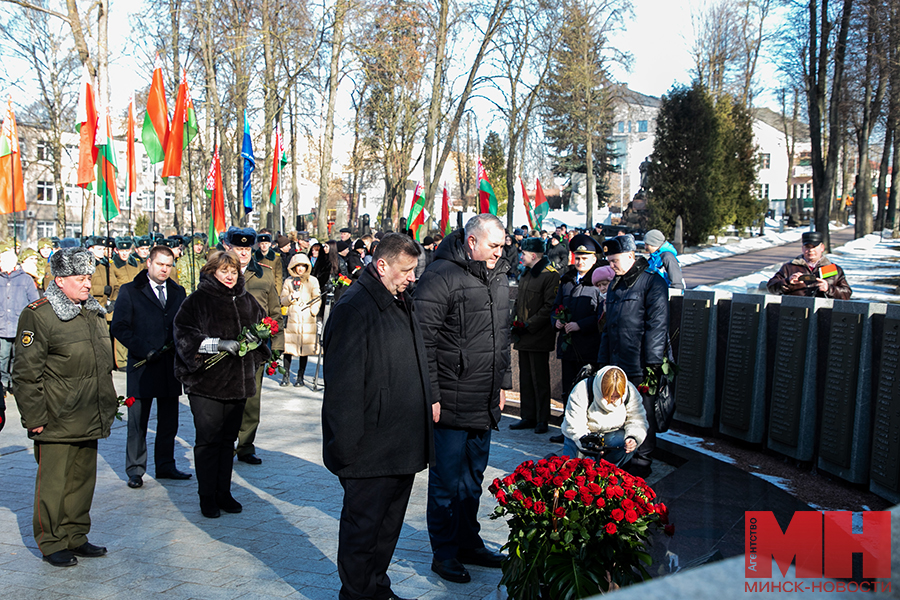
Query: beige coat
pixel 296 293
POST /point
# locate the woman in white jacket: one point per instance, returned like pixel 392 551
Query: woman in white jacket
pixel 612 411
pixel 300 293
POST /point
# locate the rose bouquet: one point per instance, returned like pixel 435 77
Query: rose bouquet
pixel 250 338
pixel 275 366
pixel 577 527
pixel 562 314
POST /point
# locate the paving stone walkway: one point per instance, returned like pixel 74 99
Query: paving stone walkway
pixel 283 545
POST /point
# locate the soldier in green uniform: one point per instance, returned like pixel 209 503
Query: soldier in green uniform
pixel 260 282
pixel 124 268
pixel 266 255
pixel 102 281
pixel 45 248
pixel 190 263
pixel 533 335
pixel 65 395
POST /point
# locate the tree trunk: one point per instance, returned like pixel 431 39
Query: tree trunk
pixel 895 182
pixel 589 179
pixel 270 101
pixel 84 55
pixel 103 53
pixel 337 42
pixel 882 176
pixel 434 110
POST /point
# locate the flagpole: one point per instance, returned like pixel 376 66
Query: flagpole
pixel 191 200
pixel 12 179
pixel 153 213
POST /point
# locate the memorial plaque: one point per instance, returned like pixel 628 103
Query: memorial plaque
pixel 740 366
pixel 692 356
pixel 885 471
pixel 788 375
pixel 840 380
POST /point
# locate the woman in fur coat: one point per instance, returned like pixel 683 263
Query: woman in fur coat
pixel 300 293
pixel 210 322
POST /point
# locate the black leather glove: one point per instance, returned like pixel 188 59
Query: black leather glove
pixel 232 347
pixel 592 442
pixel 107 290
pixel 253 338
pixel 153 356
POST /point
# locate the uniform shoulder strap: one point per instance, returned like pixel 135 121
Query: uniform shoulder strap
pixel 39 302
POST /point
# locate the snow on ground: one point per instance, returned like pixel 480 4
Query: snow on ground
pixel 871 265
pixel 695 443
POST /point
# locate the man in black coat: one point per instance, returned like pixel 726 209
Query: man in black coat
pixel 463 305
pixel 636 331
pixel 376 414
pixel 145 310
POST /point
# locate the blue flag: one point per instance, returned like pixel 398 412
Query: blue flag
pixel 249 165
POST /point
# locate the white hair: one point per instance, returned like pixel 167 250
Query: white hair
pixel 481 224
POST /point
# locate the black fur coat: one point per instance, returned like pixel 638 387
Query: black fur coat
pixel 215 311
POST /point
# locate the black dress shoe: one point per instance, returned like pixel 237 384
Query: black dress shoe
pixel 540 428
pixel 523 424
pixel 483 557
pixel 173 474
pixel 250 459
pixel 135 481
pixel 209 508
pixel 61 558
pixel 451 570
pixel 557 439
pixel 227 503
pixel 89 550
pixel 394 596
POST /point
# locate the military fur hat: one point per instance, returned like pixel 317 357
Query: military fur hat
pixel 66 262
pixel 235 236
pixel 533 244
pixel 619 245
pixel 123 243
pixel 142 241
pixel 264 237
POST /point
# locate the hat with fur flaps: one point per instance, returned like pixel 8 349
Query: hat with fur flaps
pixel 619 245
pixel 66 262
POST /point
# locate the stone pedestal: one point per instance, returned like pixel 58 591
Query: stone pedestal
pixel 885 468
pixel 792 404
pixel 695 384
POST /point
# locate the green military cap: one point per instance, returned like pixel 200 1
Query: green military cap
pixel 44 243
pixel 197 239
pixel 94 240
pixel 168 243
pixel 26 254
pixel 6 245
pixel 264 237
pixel 142 241
pixel 109 242
pixel 124 243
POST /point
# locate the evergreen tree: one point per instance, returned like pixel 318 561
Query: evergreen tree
pixel 493 157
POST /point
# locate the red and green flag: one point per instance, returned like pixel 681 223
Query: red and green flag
pixel 106 168
pixel 87 130
pixel 828 271
pixel 487 200
pixel 416 220
pixel 155 132
pixel 541 208
pixel 130 159
pixel 528 209
pixel 278 163
pixel 12 186
pixel 184 128
pixel 445 212
pixel 216 194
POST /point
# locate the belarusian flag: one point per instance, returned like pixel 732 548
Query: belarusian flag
pixel 827 271
pixel 445 212
pixel 528 210
pixel 216 195
pixel 130 161
pixel 541 208
pixel 155 132
pixel 416 220
pixel 12 186
pixel 278 162
pixel 87 129
pixel 106 168
pixel 184 129
pixel 487 200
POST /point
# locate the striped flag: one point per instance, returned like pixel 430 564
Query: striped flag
pixel 278 162
pixel 528 210
pixel 216 194
pixel 416 220
pixel 106 168
pixel 87 130
pixel 12 186
pixel 184 129
pixel 487 200
pixel 541 207
pixel 155 132
pixel 445 212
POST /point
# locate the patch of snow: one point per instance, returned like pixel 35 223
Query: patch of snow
pixel 696 444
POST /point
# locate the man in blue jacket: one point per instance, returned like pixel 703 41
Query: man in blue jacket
pixel 17 290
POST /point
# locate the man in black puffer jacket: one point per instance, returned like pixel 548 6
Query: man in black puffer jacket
pixel 462 303
pixel 637 324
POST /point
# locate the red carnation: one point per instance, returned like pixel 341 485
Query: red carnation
pixel 570 494
pixel 618 514
pixel 539 507
pixel 560 512
pixel 630 516
pixel 611 528
pixel 270 371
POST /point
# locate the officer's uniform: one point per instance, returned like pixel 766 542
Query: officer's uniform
pixel 123 271
pixel 63 384
pixel 534 337
pixel 259 281
pixel 189 265
pixel 143 241
pixel 270 258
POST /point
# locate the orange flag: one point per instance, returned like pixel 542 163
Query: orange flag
pixel 12 186
pixel 130 162
pixel 87 129
pixel 175 141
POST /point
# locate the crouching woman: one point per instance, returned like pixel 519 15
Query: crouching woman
pixel 210 322
pixel 604 418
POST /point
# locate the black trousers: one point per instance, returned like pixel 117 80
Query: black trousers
pixel 534 385
pixel 217 423
pixel 570 369
pixel 371 520
pixel 642 456
pixel 166 430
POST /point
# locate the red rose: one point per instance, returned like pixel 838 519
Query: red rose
pixel 527 502
pixel 539 507
pixel 538 481
pixel 129 401
pixel 518 495
pixel 611 528
pixel 495 485
pixel 558 480
pixel 594 488
pixel 644 389
pixel 501 497
pixel 270 371
pixel 613 479
pixel 560 512
pixel 628 504
pixel 601 502
pixel 669 530
pixel 618 514
pixel 587 499
pixel 630 516
pixel 570 494
pixel 663 513
pixel 580 480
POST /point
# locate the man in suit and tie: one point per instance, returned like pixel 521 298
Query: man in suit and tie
pixel 145 310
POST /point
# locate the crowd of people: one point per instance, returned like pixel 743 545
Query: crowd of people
pixel 179 316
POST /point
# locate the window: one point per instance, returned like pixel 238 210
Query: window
pixel 170 201
pixel 19 228
pixel 620 126
pixel 73 230
pixel 45 192
pixel 763 190
pixel 643 126
pixel 629 126
pixel 46 228
pixel 147 200
pixel 73 195
pixel 145 164
pixel 765 161
pixel 124 199
pixel 44 151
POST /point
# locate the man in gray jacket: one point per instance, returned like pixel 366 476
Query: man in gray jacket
pixel 17 290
